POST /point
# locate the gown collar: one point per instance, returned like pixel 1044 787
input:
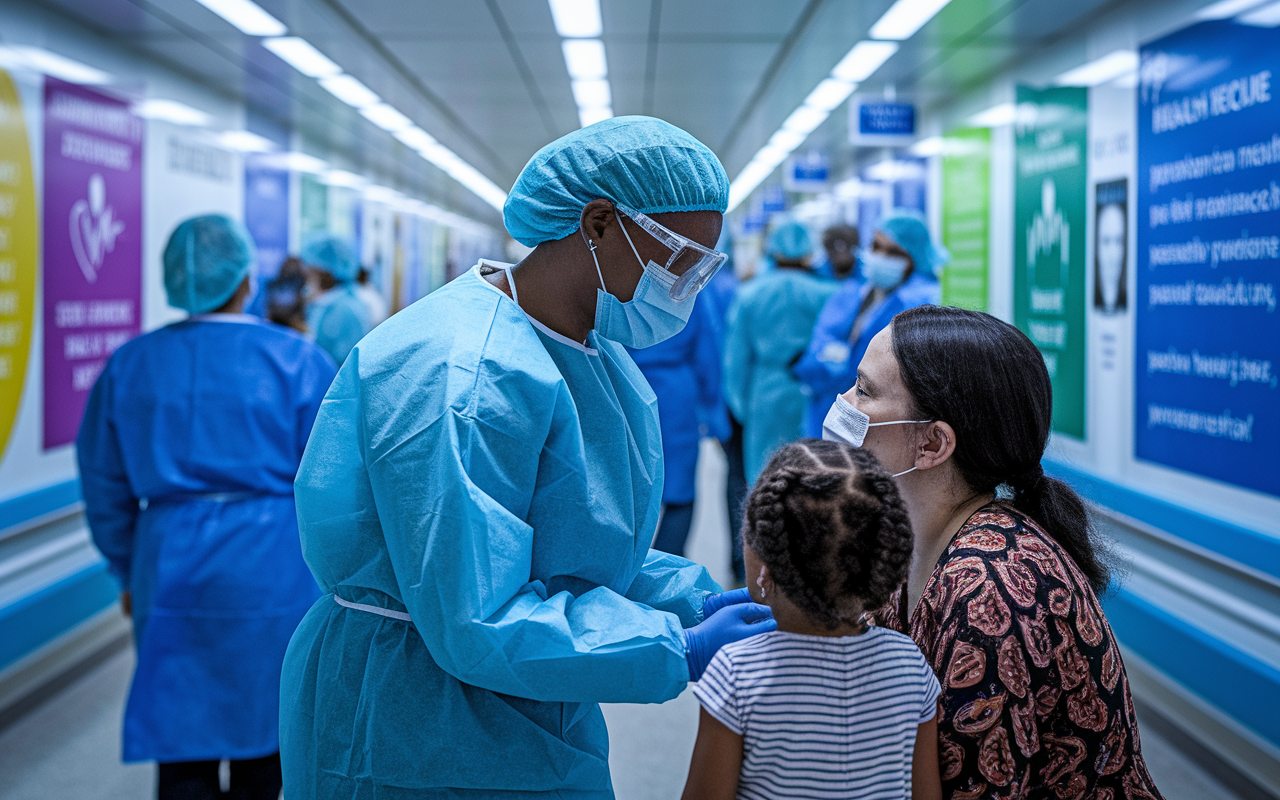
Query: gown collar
pixel 515 296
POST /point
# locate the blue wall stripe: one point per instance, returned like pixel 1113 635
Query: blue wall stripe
pixel 43 616
pixel 1258 549
pixel 1235 682
pixel 17 510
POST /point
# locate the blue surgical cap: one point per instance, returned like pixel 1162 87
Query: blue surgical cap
pixel 908 230
pixel 789 241
pixel 204 262
pixel 641 162
pixel 333 255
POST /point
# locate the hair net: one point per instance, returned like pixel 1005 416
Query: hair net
pixel 204 262
pixel 645 163
pixel 789 241
pixel 333 255
pixel 908 230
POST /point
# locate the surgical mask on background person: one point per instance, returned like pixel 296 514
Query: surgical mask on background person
pixel 846 424
pixel 882 270
pixel 650 316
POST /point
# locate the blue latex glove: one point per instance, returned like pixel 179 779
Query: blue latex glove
pixel 715 602
pixel 729 624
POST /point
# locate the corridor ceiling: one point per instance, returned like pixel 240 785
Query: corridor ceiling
pixel 488 80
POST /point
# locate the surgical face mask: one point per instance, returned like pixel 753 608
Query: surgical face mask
pixel 650 316
pixel 883 271
pixel 846 424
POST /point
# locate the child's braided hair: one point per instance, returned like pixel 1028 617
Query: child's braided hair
pixel 827 521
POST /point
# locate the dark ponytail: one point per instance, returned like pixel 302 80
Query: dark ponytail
pixel 985 379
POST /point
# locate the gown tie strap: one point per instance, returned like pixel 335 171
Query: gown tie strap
pixel 379 610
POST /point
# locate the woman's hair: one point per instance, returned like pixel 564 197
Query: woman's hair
pixel 985 379
pixel 827 521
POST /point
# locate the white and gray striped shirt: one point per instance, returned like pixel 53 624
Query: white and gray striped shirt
pixel 822 717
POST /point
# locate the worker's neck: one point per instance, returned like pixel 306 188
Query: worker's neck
pixel 557 286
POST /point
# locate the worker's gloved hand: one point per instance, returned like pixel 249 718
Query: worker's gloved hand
pixel 715 602
pixel 729 624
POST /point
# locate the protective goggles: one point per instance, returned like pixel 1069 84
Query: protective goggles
pixel 691 265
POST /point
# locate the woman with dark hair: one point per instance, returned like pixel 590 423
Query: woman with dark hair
pixel 1002 594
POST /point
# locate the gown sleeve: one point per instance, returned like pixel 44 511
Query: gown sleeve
pixel 109 502
pixel 452 487
pixel 673 584
pixel 820 367
pixel 738 359
pixel 706 357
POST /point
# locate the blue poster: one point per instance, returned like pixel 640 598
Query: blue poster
pixel 266 215
pixel 1208 332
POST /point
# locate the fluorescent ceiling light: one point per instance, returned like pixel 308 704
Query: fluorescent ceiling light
pixel 38 59
pixel 350 91
pixel 340 177
pixel 905 17
pixel 171 111
pixel 892 170
pixel 465 174
pixel 829 94
pixel 789 140
pixel 590 116
pixel 297 162
pixel 1265 17
pixel 299 54
pixel 1101 70
pixel 862 60
pixel 415 137
pixel 584 58
pixel 995 117
pixel 1225 9
pixel 247 16
pixel 382 194
pixel 386 117
pixel 932 146
pixel 805 119
pixel 577 19
pixel 592 93
pixel 771 155
pixel 751 176
pixel 246 142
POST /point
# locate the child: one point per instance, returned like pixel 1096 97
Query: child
pixel 827 705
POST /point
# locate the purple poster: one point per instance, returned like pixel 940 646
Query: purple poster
pixel 92 245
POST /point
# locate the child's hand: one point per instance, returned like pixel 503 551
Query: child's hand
pixel 715 602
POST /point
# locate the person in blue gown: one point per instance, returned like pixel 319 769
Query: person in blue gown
pixel 900 272
pixel 338 317
pixel 769 325
pixel 481 490
pixel 188 449
pixel 840 248
pixel 684 373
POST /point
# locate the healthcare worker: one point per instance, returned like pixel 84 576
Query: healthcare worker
pixel 481 491
pixel 840 244
pixel 190 442
pixel 337 316
pixel 769 325
pixel 900 272
pixel 684 373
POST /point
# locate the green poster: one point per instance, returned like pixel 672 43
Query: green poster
pixel 966 194
pixel 314 211
pixel 1048 240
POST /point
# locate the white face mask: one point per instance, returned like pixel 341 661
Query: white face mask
pixel 884 271
pixel 846 424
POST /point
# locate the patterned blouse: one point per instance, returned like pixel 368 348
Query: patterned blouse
pixel 1035 702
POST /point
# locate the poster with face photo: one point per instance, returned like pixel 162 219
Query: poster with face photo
pixel 1111 248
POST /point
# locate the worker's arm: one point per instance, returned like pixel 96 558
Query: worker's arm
pixel 675 585
pixel 110 505
pixel 738 358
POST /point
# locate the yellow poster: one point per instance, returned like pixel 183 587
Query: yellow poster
pixel 18 251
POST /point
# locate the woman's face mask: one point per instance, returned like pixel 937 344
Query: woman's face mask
pixel 884 271
pixel 846 424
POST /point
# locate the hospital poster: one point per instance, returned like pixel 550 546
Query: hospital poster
pixel 966 205
pixel 19 246
pixel 1207 333
pixel 1050 188
pixel 92 245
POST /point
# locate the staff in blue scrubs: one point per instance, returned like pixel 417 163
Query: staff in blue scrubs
pixel 900 272
pixel 188 449
pixel 684 373
pixel 337 317
pixel 481 491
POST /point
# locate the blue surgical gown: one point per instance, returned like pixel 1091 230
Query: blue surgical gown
pixel 338 319
pixel 500 484
pixel 684 373
pixel 719 293
pixel 188 449
pixel 829 365
pixel 769 326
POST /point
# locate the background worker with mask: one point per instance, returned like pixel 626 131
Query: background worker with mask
pixel 899 272
pixel 337 317
pixel 840 244
pixel 769 325
pixel 481 490
pixel 188 449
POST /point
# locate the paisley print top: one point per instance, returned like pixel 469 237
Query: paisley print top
pixel 1035 702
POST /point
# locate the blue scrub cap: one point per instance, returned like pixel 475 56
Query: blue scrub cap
pixel 644 163
pixel 789 241
pixel 204 262
pixel 333 255
pixel 908 229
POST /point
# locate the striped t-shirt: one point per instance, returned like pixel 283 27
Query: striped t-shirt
pixel 822 716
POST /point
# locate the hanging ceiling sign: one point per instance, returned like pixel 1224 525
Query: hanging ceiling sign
pixel 807 173
pixel 881 122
